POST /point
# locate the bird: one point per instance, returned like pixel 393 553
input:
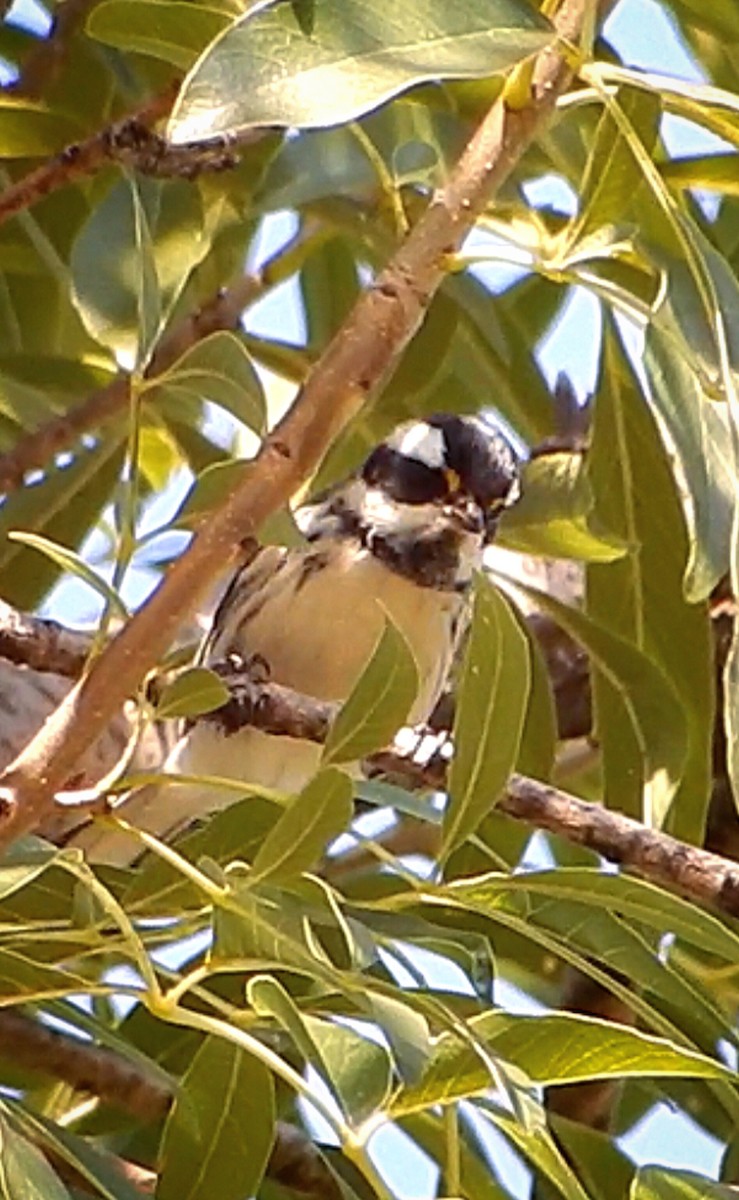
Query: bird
pixel 401 538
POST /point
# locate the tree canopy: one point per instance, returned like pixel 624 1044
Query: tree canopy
pixel 239 243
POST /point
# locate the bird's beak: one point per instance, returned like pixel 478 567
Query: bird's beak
pixel 466 514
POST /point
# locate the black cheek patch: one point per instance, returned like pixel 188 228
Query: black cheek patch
pixel 404 479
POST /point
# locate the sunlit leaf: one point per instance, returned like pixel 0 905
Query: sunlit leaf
pixel 658 1183
pixel 352 60
pixel 314 818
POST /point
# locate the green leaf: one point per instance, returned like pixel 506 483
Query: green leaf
pixel 633 898
pixel 196 691
pixel 315 817
pixel 21 977
pixel 491 707
pixel 529 1134
pixel 353 59
pixel 96 1166
pixel 640 597
pixel 24 1172
pixel 130 261
pixel 329 286
pixel 357 1070
pixel 235 833
pixel 658 1183
pixel 169 29
pixel 649 698
pixel 115 284
pixel 406 1030
pixel 31 128
pixel 613 177
pixel 379 702
pixel 217 369
pixel 219 1132
pixel 554 516
pixel 699 430
pixel 711 172
pixel 67 560
pixel 549 1050
pixel 210 489
pixel 62 507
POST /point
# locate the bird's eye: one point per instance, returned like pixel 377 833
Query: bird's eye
pixel 405 479
pixel 415 483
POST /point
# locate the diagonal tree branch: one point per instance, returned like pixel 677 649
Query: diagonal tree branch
pixel 356 362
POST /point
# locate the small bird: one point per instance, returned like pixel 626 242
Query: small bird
pixel 400 538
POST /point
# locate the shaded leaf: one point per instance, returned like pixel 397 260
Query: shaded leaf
pixel 220 1129
pixel 195 691
pixel 653 706
pixel 174 31
pixel 640 597
pixel 356 1069
pixel 379 702
pixel 30 128
pixel 699 430
pixel 130 261
pixel 24 1172
pixel 491 707
pixel 217 369
pixel 68 561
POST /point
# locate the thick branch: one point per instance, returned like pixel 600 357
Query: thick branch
pixel 294 1161
pixel 356 362
pixel 36 449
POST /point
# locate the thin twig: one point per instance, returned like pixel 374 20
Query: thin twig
pixel 131 1087
pixel 78 159
pixel 356 362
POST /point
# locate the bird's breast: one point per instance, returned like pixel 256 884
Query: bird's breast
pixel 320 623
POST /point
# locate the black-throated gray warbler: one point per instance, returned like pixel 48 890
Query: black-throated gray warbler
pixel 402 537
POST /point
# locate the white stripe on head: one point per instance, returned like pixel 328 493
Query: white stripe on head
pixel 423 442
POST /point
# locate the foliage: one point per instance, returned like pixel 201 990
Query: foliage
pixel 256 962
